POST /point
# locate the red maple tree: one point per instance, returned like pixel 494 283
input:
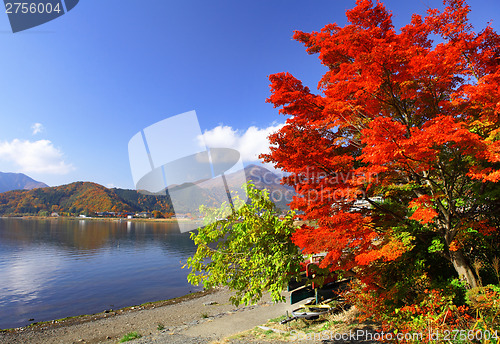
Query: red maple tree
pixel 401 146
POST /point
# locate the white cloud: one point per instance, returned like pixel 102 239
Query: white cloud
pixel 250 143
pixel 35 156
pixel 37 128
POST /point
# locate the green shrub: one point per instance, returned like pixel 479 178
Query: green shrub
pixel 485 301
pixel 130 336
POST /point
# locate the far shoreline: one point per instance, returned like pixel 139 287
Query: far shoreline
pixel 109 219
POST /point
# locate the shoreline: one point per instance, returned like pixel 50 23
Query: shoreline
pixel 109 219
pixel 48 307
pixel 77 319
pixel 200 317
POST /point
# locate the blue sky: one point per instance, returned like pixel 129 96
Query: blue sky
pixel 75 90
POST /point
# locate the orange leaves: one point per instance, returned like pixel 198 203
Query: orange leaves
pixel 289 92
pixel 424 215
pixel 389 142
pixel 340 235
pixel 383 140
pixel 485 174
pixel 484 228
pixel 435 313
pixel 453 21
pixel 368 16
pixel 424 212
pixel 424 118
pixel 444 133
pixel 386 252
pixel 454 246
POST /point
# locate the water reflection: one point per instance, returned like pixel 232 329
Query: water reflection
pixel 55 268
pixel 90 235
pixel 28 274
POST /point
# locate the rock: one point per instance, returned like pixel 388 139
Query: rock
pixel 210 303
pixel 270 329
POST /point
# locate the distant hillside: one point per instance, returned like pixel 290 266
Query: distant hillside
pixel 18 181
pixel 261 177
pixel 140 202
pixel 89 198
pixel 186 201
pixel 79 197
pixel 211 192
pixel 265 179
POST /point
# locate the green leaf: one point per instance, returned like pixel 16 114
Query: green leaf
pixel 250 250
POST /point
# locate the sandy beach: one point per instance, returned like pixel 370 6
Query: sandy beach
pixel 203 317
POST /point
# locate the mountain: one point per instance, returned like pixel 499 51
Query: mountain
pixel 261 177
pixel 210 192
pixel 79 197
pixel 141 202
pixel 18 181
pixel 88 198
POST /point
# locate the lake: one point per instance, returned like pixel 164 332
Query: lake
pixel 55 268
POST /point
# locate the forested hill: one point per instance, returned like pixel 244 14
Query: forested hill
pixel 89 198
pixel 140 202
pixel 77 198
pixel 85 198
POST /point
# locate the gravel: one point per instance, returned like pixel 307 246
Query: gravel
pixel 210 317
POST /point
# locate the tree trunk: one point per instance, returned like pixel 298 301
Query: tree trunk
pixel 463 268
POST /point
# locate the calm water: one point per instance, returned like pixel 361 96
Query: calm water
pixel 55 268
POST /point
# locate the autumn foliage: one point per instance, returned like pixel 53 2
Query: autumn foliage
pixel 79 197
pixel 396 157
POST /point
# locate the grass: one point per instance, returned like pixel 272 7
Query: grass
pixel 278 319
pixel 204 315
pixel 339 322
pixel 130 336
pixel 160 327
